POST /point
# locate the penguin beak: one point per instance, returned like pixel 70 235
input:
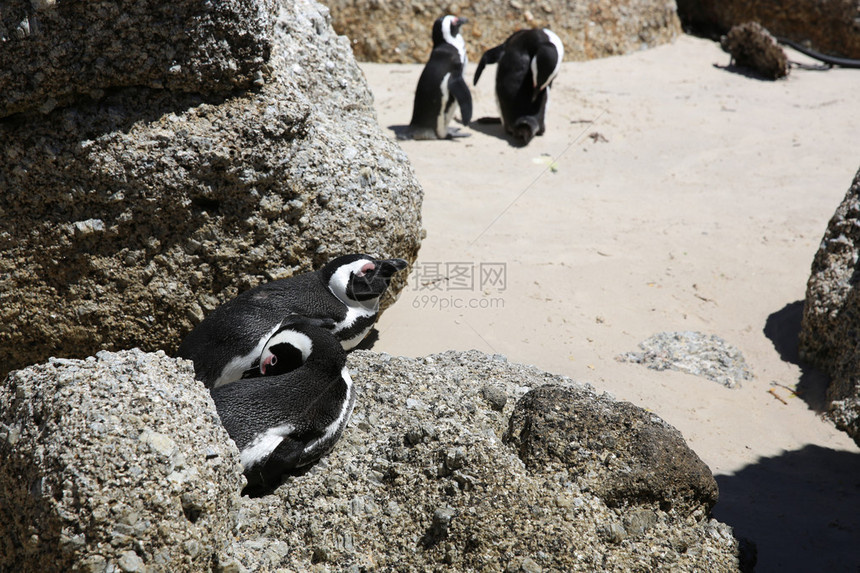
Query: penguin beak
pixel 461 21
pixel 388 267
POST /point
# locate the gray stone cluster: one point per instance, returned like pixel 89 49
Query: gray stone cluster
pixel 830 331
pixel 131 209
pixel 457 461
pixel 708 356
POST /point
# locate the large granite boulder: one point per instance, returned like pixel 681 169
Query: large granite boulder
pixel 458 460
pixel 400 31
pixel 829 26
pixel 830 330
pixel 53 51
pixel 129 213
pixel 114 463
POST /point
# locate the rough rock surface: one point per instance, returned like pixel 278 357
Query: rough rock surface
pixel 422 479
pixel 829 26
pixel 400 31
pixel 753 47
pixel 114 463
pixel 708 356
pixel 830 330
pixel 640 459
pixel 55 50
pixel 124 220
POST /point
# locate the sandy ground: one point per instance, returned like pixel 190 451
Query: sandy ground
pixel 670 193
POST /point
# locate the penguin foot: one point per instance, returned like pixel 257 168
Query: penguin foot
pixel 454 132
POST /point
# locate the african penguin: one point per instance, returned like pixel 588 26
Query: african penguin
pixel 226 346
pixel 282 421
pixel 528 61
pixel 441 86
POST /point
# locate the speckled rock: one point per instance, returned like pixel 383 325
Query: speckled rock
pixel 383 31
pixel 708 356
pixel 114 463
pixel 752 46
pixel 52 51
pixel 830 26
pixel 124 220
pixel 119 463
pixel 423 481
pixel 830 330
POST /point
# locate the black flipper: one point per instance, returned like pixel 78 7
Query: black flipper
pixel 547 57
pixel 491 56
pixel 265 477
pixel 460 90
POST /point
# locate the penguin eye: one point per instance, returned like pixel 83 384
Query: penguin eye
pixel 366 268
pixel 270 360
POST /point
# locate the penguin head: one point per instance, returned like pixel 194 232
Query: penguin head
pixel 524 129
pixel 446 30
pixel 291 345
pixel 359 280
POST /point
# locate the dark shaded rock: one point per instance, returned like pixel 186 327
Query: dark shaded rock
pixel 830 329
pixel 123 221
pixel 753 47
pixel 829 26
pixel 627 455
pixel 113 463
pixel 400 31
pixel 53 51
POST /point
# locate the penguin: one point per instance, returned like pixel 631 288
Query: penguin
pixel 529 60
pixel 226 345
pixel 283 421
pixel 441 87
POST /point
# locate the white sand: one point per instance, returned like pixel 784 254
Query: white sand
pixel 697 204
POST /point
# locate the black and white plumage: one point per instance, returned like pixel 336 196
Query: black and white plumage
pixel 528 62
pixel 282 421
pixel 441 87
pixel 226 346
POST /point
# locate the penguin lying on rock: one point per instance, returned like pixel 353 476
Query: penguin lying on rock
pixel 528 62
pixel 296 410
pixel 226 346
pixel 441 86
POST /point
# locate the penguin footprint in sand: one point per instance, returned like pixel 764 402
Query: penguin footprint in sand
pixel 227 344
pixel 528 61
pixel 441 87
pixel 284 420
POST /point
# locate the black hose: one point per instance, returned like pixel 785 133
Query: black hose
pixel 829 60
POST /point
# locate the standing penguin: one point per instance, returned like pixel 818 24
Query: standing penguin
pixel 226 345
pixel 282 421
pixel 528 62
pixel 441 86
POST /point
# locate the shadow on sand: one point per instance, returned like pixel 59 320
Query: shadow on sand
pixel 801 509
pixel 783 330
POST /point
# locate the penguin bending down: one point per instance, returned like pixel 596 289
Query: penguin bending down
pixel 282 421
pixel 528 62
pixel 226 346
pixel 441 87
